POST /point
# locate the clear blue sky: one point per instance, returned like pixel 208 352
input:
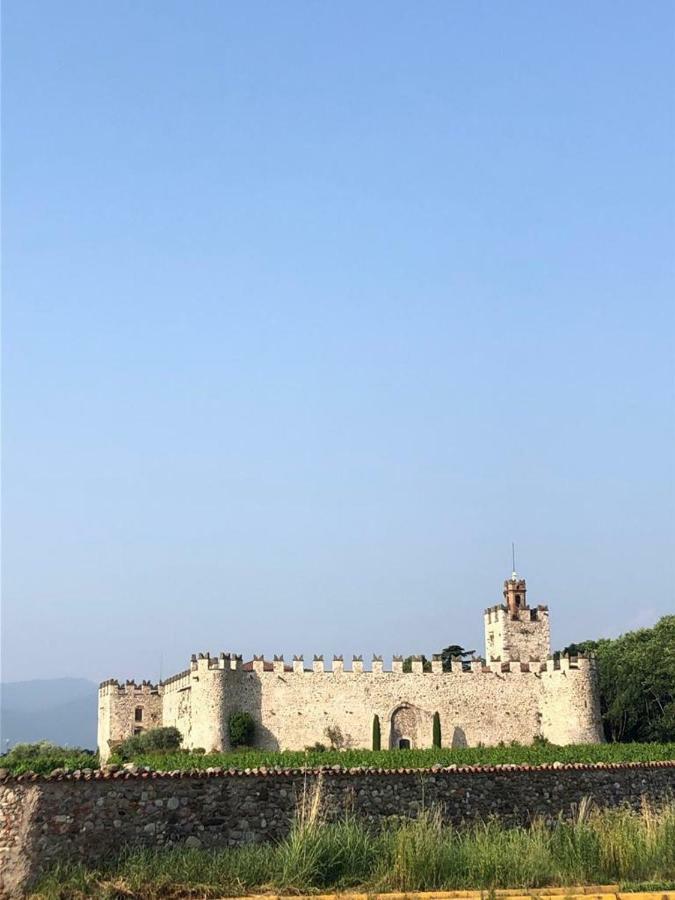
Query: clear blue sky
pixel 310 309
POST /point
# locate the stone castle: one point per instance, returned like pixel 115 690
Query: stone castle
pixel 518 693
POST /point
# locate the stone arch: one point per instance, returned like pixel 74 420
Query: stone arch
pixel 404 726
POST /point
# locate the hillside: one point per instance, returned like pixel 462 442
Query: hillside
pixel 62 710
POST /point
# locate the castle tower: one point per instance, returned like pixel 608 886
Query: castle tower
pixel 515 594
pixel 513 631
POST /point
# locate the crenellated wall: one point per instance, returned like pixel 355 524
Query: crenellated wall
pixel 522 634
pixel 522 693
pixel 292 709
pixel 124 709
pixel 570 702
pixel 214 691
pixel 177 704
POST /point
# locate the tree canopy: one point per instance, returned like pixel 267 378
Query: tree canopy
pixel 452 651
pixel 637 682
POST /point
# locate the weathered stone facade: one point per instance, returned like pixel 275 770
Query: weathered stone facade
pixel 519 692
pixel 92 816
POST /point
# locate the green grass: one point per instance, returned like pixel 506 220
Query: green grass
pixel 43 758
pixel 598 847
pixel 534 754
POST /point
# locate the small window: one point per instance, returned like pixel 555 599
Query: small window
pixel 138 715
pixel 138 731
pixel 517 599
pixel 403 744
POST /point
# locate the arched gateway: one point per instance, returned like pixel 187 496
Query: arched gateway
pixel 405 727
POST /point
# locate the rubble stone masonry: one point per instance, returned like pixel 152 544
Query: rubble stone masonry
pixel 91 816
pixel 517 693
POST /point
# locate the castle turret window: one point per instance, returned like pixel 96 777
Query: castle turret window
pixel 138 714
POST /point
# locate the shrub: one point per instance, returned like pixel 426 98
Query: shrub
pixel 336 737
pixel 318 747
pixel 436 731
pixel 377 737
pixel 44 757
pixel 241 728
pixel 22 752
pixel 155 740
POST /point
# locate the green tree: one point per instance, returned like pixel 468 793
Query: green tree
pixel 436 730
pixel 636 674
pixel 377 739
pixel 452 651
pixel 241 728
pixel 155 740
pixel 337 739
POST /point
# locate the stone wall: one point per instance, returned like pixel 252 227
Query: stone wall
pixel 523 634
pixel 177 705
pixel 487 704
pixel 124 709
pixel 505 701
pixel 90 816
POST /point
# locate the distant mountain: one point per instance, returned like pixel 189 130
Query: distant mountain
pixel 61 710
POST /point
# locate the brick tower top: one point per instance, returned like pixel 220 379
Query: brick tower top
pixel 515 594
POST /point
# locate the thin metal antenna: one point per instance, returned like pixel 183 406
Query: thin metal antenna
pixel 513 557
pixel 161 660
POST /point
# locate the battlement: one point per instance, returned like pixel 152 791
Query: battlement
pixel 233 662
pixel 228 662
pixel 514 630
pixel 113 686
pixel 201 661
pixel 524 614
pixel 263 665
pixel 177 682
pixel 564 663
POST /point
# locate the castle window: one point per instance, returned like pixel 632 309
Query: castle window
pixel 517 599
pixel 138 714
pixel 137 731
pixel 403 744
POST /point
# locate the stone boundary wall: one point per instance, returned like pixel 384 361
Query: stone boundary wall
pixel 90 816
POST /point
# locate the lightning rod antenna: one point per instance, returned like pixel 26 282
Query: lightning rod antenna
pixel 513 557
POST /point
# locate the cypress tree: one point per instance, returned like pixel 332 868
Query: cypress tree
pixel 376 733
pixel 437 731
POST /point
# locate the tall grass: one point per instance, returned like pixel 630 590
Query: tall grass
pixel 411 855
